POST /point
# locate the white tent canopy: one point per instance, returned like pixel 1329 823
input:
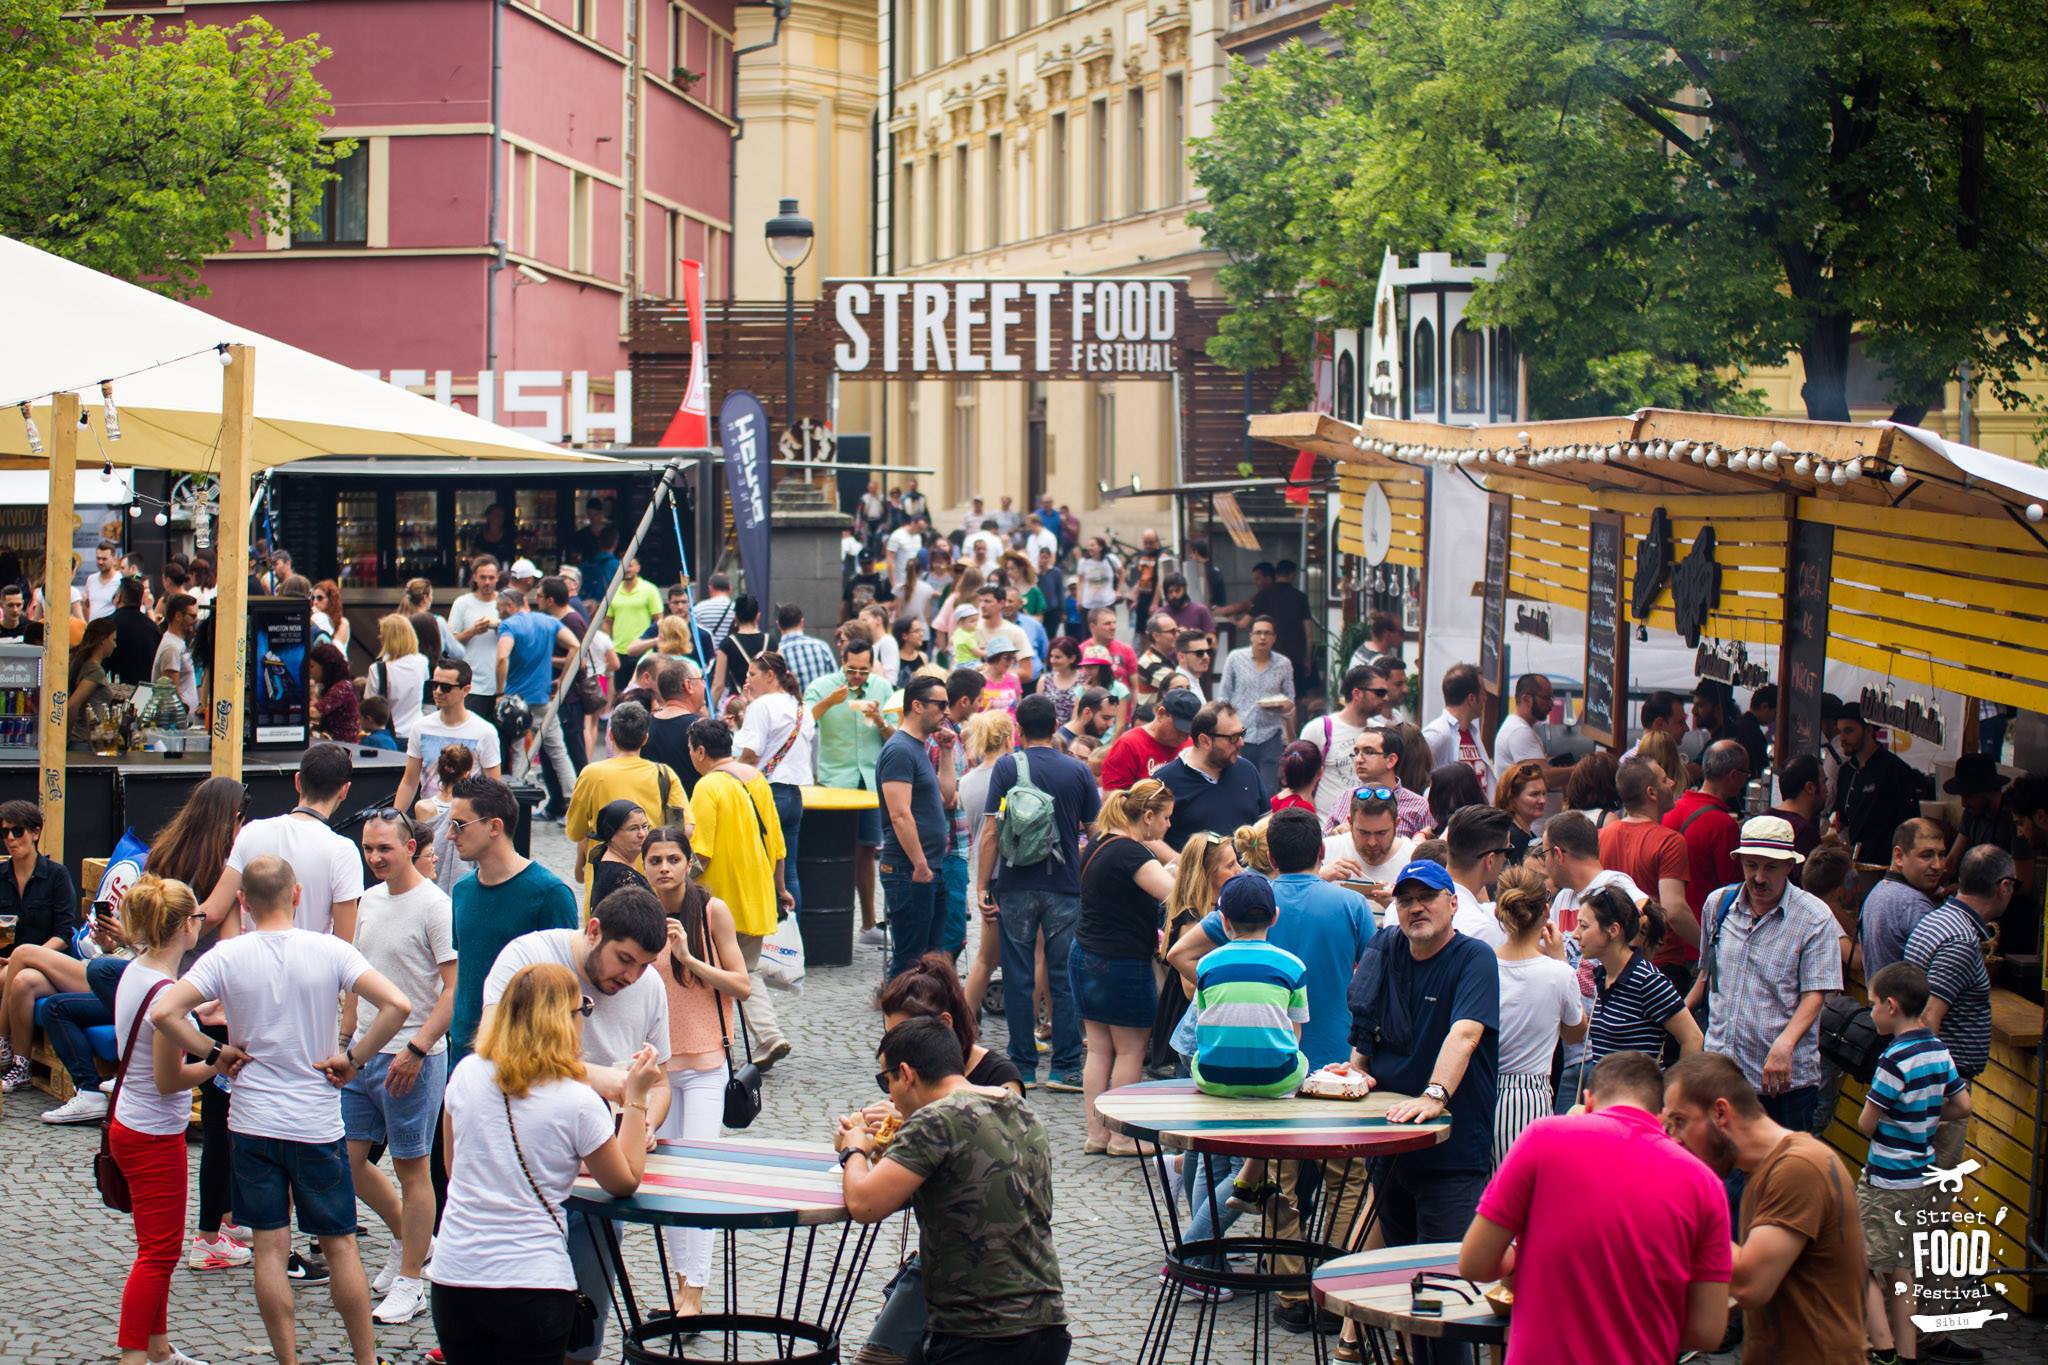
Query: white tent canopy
pixel 71 327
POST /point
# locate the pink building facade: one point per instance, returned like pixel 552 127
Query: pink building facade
pixel 612 134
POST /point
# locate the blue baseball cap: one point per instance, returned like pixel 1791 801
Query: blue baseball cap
pixel 1432 875
pixel 1248 897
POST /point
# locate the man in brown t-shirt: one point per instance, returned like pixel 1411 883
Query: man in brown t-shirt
pixel 1655 859
pixel 1799 1266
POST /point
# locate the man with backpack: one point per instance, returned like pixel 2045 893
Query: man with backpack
pixel 1030 874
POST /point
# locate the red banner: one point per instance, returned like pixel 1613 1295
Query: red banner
pixel 1304 470
pixel 690 428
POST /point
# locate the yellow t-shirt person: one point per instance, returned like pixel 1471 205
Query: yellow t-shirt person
pixel 626 777
pixel 740 838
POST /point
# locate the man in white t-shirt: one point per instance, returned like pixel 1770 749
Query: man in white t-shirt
pixel 1037 538
pixel 329 871
pixel 1476 849
pixel 473 624
pixel 1454 736
pixel 903 544
pixel 450 723
pixel 1518 740
pixel 280 985
pixel 174 650
pixel 611 956
pixel 102 583
pixel 405 930
pixel 1365 695
pixel 1367 849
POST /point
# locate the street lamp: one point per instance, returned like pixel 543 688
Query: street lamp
pixel 789 237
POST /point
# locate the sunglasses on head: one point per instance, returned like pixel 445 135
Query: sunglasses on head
pixel 1372 793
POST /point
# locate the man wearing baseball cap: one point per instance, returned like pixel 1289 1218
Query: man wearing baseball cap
pixel 1144 749
pixel 1769 954
pixel 1425 1023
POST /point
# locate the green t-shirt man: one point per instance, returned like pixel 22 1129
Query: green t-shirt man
pixel 633 610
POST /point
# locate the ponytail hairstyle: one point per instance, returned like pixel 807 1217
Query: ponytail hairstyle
pixel 772 660
pixel 1617 914
pixel 1121 810
pixel 1250 842
pixel 453 764
pixel 926 989
pixel 691 914
pixel 1301 765
pixel 1520 905
pixel 154 910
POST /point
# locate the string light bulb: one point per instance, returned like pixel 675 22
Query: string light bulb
pixel 1898 479
pixel 134 509
pixel 1802 466
pixel 2033 511
pixel 221 351
pixel 1853 470
pixel 163 518
pixel 35 438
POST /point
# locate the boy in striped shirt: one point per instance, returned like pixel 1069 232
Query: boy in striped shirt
pixel 1916 1086
pixel 1251 999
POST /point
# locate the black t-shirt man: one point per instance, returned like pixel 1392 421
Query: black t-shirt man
pixel 25 632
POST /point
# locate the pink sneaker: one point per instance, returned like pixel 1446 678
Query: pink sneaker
pixel 222 1253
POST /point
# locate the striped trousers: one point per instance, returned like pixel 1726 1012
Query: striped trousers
pixel 1523 1099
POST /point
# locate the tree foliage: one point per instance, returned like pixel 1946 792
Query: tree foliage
pixel 139 151
pixel 1685 189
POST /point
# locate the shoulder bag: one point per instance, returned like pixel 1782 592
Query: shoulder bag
pixel 796 728
pixel 583 1327
pixel 742 1083
pixel 106 1171
pixel 1848 1036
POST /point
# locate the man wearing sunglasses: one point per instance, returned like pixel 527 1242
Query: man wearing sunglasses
pixel 450 722
pixel 1336 734
pixel 1195 656
pixel 1214 788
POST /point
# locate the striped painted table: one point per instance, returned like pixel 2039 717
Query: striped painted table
pixel 1174 1114
pixel 730 1182
pixel 1373 1288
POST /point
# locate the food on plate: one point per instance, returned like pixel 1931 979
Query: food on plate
pixel 1338 1081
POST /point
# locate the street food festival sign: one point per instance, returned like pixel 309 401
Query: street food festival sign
pixel 1097 327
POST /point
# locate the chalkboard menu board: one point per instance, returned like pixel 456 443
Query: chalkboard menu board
pixel 1604 714
pixel 1802 663
pixel 1493 613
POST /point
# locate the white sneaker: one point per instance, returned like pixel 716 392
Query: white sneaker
pixel 218 1254
pixel 385 1277
pixel 178 1357
pixel 107 1088
pixel 873 938
pixel 403 1303
pixel 87 1106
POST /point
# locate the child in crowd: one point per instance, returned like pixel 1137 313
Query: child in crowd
pixel 376 720
pixel 1003 689
pixel 1916 1088
pixel 1251 999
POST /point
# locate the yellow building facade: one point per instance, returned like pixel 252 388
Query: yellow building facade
pixel 1981 422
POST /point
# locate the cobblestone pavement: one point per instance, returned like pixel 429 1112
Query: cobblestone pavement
pixel 65 1257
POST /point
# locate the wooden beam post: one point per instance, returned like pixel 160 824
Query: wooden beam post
pixel 231 538
pixel 56 692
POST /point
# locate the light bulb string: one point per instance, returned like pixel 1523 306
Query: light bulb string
pixel 30 400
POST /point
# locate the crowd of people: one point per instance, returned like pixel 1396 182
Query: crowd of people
pixel 1179 866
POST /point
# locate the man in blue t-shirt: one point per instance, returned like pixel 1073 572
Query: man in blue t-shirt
pixel 1425 1022
pixel 1328 928
pixel 914 826
pixel 1041 897
pixel 526 653
pixel 1213 788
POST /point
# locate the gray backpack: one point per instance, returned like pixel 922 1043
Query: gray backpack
pixel 1026 832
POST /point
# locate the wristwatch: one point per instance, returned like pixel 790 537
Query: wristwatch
pixel 849 1154
pixel 213 1057
pixel 1437 1093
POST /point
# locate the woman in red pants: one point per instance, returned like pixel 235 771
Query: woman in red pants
pixel 151 1107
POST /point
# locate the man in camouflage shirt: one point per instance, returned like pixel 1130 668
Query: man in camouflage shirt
pixel 975 1166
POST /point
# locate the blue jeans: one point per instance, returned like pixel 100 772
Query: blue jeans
pixel 789 808
pixel 1792 1109
pixel 1025 914
pixel 915 924
pixel 899 1327
pixel 1212 1218
pixel 1570 1081
pixel 67 1016
pixel 954 872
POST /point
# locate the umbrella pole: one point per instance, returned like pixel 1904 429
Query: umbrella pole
pixel 57 619
pixel 231 536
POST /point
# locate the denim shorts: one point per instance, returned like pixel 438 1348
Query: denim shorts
pixel 1118 991
pixel 274 1175
pixel 404 1123
pixel 867 827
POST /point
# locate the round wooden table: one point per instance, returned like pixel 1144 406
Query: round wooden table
pixel 1376 1289
pixel 736 1184
pixel 1340 1141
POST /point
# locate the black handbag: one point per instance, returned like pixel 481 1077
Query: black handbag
pixel 742 1083
pixel 106 1171
pixel 1849 1037
pixel 583 1326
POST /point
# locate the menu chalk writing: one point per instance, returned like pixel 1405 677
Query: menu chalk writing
pixel 1493 613
pixel 1802 663
pixel 1604 714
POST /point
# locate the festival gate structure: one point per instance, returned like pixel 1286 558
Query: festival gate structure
pixel 1882 548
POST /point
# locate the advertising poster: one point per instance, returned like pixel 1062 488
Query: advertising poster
pixel 280 629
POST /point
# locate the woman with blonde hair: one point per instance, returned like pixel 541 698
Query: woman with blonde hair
pixel 988 735
pixel 399 673
pixel 152 1105
pixel 1250 841
pixel 1540 1004
pixel 1123 883
pixel 521 1121
pixel 1207 861
pixel 672 637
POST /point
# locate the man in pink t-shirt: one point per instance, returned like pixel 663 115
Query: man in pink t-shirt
pixel 1631 1265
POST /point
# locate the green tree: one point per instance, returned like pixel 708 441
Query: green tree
pixel 1690 188
pixel 139 151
